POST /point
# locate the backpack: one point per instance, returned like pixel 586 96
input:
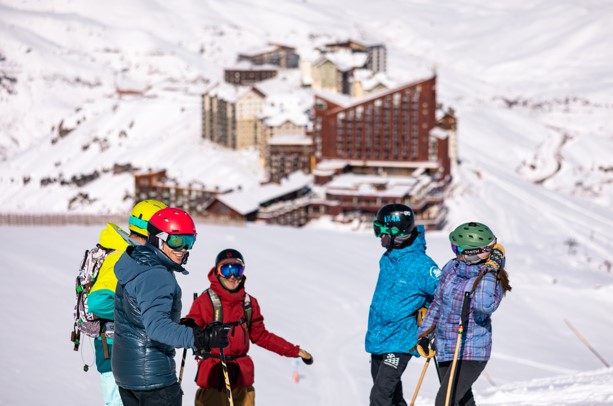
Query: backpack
pixel 84 322
pixel 218 311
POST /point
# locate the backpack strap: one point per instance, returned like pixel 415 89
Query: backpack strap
pixel 105 346
pixel 216 302
pixel 218 310
pixel 475 284
pixel 248 310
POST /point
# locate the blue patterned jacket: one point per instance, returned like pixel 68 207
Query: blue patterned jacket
pixel 406 283
pixel 444 314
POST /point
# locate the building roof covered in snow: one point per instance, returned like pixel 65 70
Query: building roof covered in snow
pixel 247 201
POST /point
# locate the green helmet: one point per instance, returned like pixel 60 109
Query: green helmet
pixel 470 235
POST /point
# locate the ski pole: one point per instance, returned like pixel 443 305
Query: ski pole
pixel 421 378
pixel 586 343
pixel 463 315
pixel 182 365
pixel 184 354
pixel 438 372
pixel 226 378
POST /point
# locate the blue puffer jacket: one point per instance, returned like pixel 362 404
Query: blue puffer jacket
pixel 147 311
pixel 407 281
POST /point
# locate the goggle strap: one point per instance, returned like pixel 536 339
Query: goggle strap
pixel 140 223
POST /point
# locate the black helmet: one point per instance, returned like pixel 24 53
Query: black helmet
pixel 394 219
pixel 229 255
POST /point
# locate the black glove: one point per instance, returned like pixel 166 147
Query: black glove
pixel 214 335
pixel 306 358
pixel 496 259
pixel 423 348
pixel 185 321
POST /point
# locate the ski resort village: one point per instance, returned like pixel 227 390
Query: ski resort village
pixel 335 135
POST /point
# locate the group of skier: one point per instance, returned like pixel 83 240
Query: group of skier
pixel 137 298
pixel 419 310
pixel 136 295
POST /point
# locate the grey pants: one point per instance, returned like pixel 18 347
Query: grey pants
pixel 465 375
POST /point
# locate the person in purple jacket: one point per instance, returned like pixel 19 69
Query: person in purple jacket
pixel 478 268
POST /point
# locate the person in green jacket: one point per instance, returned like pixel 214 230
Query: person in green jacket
pixel 101 299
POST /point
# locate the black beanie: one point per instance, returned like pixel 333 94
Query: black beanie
pixel 229 253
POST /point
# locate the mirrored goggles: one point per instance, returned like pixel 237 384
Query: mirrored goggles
pixel 380 229
pixel 471 251
pixel 180 241
pixel 228 270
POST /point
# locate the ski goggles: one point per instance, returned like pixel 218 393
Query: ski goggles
pixel 380 229
pixel 470 251
pixel 474 254
pixel 233 269
pixel 180 241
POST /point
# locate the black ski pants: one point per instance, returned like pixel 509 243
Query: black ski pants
pixel 386 371
pixel 465 375
pixel 169 396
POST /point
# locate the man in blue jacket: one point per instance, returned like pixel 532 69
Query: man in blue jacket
pixel 101 298
pixel 407 281
pixel 147 314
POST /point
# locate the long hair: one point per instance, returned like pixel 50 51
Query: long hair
pixel 503 276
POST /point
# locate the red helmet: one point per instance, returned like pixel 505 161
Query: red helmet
pixel 170 221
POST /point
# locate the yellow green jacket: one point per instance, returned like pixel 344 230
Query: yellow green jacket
pixel 101 299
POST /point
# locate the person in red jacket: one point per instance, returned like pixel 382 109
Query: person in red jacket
pixel 228 284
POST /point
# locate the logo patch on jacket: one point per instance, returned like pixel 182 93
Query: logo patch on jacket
pixel 392 360
pixel 435 272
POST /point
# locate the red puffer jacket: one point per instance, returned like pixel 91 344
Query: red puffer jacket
pixel 240 365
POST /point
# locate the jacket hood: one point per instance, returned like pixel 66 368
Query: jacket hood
pixel 141 258
pixel 115 238
pixel 238 295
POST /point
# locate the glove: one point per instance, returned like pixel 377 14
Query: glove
pixel 496 259
pixel 306 357
pixel 214 335
pixel 185 321
pixel 423 348
pixel 421 313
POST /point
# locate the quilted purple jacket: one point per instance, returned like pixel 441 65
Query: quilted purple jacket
pixel 444 313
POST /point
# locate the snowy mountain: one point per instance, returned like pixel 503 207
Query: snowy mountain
pixel 539 87
pixel 532 86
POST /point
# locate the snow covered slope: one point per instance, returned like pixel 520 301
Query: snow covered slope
pixel 532 86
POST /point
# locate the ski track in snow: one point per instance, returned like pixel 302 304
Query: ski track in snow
pixel 524 361
pixel 548 204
